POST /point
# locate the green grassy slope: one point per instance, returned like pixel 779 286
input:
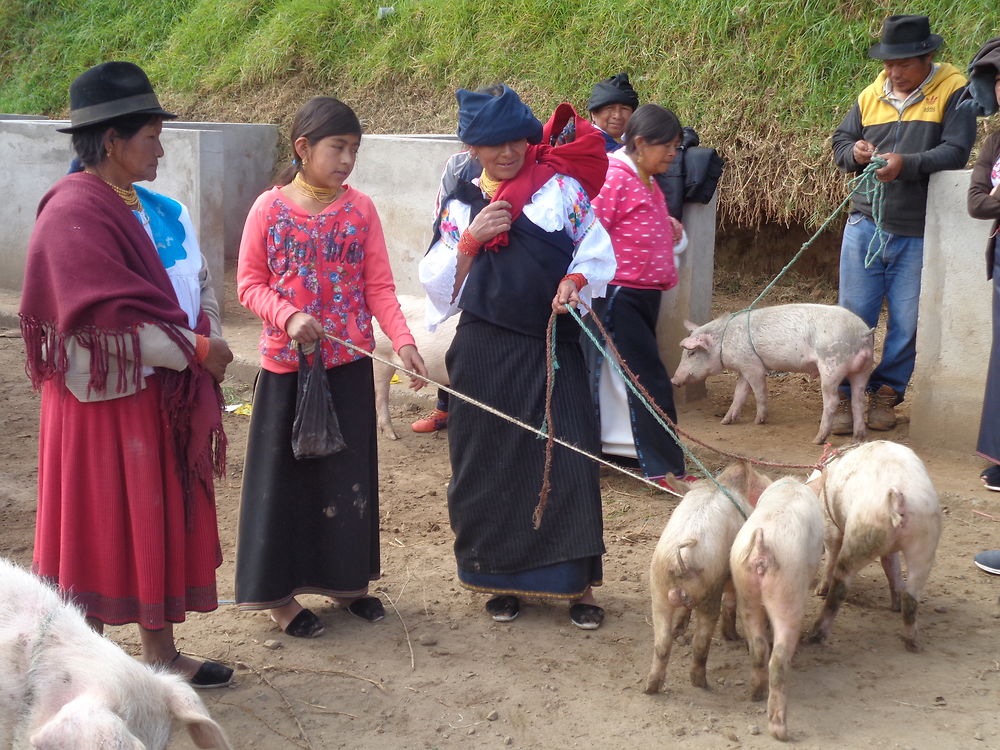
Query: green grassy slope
pixel 765 81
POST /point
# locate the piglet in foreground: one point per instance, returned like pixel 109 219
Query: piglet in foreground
pixel 879 502
pixel 65 687
pixel 825 340
pixel 690 566
pixel 773 560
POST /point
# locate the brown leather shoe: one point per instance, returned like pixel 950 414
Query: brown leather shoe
pixel 882 409
pixel 843 420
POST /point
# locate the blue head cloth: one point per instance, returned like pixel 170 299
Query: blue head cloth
pixel 487 120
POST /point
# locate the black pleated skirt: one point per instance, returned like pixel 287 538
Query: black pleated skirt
pixel 308 526
pixel 497 467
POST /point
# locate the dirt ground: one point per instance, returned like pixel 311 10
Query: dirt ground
pixel 438 673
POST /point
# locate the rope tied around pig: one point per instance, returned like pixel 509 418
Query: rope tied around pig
pixel 865 184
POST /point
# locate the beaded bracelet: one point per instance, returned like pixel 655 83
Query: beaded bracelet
pixel 469 245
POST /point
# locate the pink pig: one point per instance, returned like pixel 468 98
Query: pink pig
pixel 824 340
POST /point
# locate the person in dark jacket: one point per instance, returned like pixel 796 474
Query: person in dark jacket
pixel 612 102
pixel 909 117
pixel 984 203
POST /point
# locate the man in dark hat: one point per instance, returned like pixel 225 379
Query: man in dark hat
pixel 909 117
pixel 612 102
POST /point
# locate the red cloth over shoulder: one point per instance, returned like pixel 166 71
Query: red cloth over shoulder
pixel 584 159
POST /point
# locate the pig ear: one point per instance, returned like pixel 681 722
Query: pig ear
pixel 690 326
pixel 755 485
pixel 188 709
pixel 701 341
pixel 677 485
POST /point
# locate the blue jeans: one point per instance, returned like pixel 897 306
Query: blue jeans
pixel 894 275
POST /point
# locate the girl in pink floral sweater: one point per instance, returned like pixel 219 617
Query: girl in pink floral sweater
pixel 313 265
pixel 645 238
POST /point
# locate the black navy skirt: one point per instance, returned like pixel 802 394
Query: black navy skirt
pixel 497 467
pixel 308 526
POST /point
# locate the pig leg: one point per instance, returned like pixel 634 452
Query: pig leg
pixel 663 641
pixel 706 614
pixel 729 612
pixel 383 374
pixel 834 598
pixel 919 559
pixel 828 385
pixel 786 620
pixel 754 621
pixel 833 543
pixel 757 377
pixel 894 575
pixel 859 381
pixel 682 616
pixel 739 398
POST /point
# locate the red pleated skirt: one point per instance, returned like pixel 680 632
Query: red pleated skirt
pixel 111 530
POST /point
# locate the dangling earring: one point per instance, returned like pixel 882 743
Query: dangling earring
pixel 304 162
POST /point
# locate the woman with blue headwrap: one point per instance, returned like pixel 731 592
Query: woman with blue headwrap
pixel 509 248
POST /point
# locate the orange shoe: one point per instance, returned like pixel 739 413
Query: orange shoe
pixel 436 420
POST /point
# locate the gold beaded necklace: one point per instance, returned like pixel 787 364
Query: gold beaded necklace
pixel 129 195
pixel 320 195
pixel 488 185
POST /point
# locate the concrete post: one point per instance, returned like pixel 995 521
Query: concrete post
pixel 955 331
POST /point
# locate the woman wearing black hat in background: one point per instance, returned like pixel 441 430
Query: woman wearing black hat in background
pixel 122 336
pixel 612 102
pixel 509 248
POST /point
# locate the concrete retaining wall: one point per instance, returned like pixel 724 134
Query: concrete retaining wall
pixel 216 169
pixel 955 330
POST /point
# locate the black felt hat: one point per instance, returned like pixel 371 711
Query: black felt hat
pixel 614 90
pixel 110 90
pixel 905 36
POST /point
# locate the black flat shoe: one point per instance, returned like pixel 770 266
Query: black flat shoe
pixel 367 608
pixel 586 616
pixel 503 608
pixel 304 625
pixel 210 675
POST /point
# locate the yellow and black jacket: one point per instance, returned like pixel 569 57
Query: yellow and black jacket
pixel 931 134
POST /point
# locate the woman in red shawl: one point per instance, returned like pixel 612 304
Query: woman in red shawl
pixel 122 336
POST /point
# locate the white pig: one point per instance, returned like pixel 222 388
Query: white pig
pixel 825 340
pixel 432 347
pixel 690 567
pixel 773 560
pixel 63 686
pixel 879 502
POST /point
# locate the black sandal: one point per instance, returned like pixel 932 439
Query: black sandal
pixel 304 625
pixel 367 608
pixel 210 675
pixel 586 616
pixel 503 608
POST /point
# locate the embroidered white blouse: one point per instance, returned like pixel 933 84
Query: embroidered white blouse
pixel 559 204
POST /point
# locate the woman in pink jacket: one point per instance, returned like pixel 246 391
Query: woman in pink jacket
pixel 313 264
pixel 645 237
